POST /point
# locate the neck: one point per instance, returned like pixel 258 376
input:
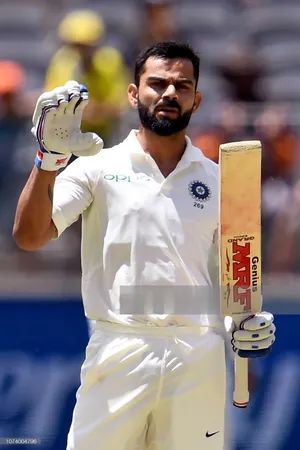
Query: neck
pixel 165 150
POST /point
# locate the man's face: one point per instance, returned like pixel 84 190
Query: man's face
pixel 166 95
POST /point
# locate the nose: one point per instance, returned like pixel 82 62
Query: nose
pixel 170 92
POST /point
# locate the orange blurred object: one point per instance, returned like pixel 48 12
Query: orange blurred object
pixel 209 142
pixel 12 76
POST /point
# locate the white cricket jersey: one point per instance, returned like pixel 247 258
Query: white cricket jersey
pixel 147 241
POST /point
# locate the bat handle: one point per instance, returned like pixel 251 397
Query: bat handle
pixel 241 390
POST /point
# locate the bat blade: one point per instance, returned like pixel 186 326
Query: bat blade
pixel 240 242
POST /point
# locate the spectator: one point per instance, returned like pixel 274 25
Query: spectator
pixel 100 68
pixel 280 206
pixel 158 24
pixel 230 126
pixel 280 143
pixel 15 110
pixel 282 253
pixel 241 72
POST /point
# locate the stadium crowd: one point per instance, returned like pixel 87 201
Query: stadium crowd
pixel 249 78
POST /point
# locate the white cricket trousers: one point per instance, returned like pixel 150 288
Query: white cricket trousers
pixel 150 388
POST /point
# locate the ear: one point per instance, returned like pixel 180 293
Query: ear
pixel 133 95
pixel 197 101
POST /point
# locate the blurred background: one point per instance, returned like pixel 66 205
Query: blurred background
pixel 250 79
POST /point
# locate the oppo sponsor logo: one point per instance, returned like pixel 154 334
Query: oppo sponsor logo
pixel 125 178
pixel 117 177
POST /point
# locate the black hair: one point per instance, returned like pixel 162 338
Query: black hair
pixel 166 50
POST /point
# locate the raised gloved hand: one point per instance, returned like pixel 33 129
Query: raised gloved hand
pixel 56 126
pixel 255 336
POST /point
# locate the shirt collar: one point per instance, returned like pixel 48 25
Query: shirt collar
pixel 191 153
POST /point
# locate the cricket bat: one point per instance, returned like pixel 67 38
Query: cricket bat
pixel 240 243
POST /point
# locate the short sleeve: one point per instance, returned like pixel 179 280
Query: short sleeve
pixel 71 196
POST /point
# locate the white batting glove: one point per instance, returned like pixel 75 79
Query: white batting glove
pixel 255 335
pixel 56 126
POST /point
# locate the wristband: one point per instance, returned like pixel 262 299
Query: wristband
pixel 51 161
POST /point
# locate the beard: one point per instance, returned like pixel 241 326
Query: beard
pixel 164 127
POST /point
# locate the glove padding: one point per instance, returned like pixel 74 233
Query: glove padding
pixel 56 124
pixel 255 335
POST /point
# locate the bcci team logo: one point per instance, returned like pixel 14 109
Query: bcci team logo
pixel 199 191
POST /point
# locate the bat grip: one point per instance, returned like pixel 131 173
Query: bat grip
pixel 241 390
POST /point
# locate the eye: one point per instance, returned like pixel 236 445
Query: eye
pixel 183 87
pixel 158 84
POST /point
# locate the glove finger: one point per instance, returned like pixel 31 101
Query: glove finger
pixel 72 86
pixel 250 345
pixel 49 98
pixel 50 113
pixel 88 144
pixel 61 93
pixel 255 335
pixel 76 93
pixel 46 99
pixel 71 105
pixel 61 109
pixel 47 115
pixel 258 321
pixel 81 105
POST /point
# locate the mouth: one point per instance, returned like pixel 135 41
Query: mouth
pixel 168 110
